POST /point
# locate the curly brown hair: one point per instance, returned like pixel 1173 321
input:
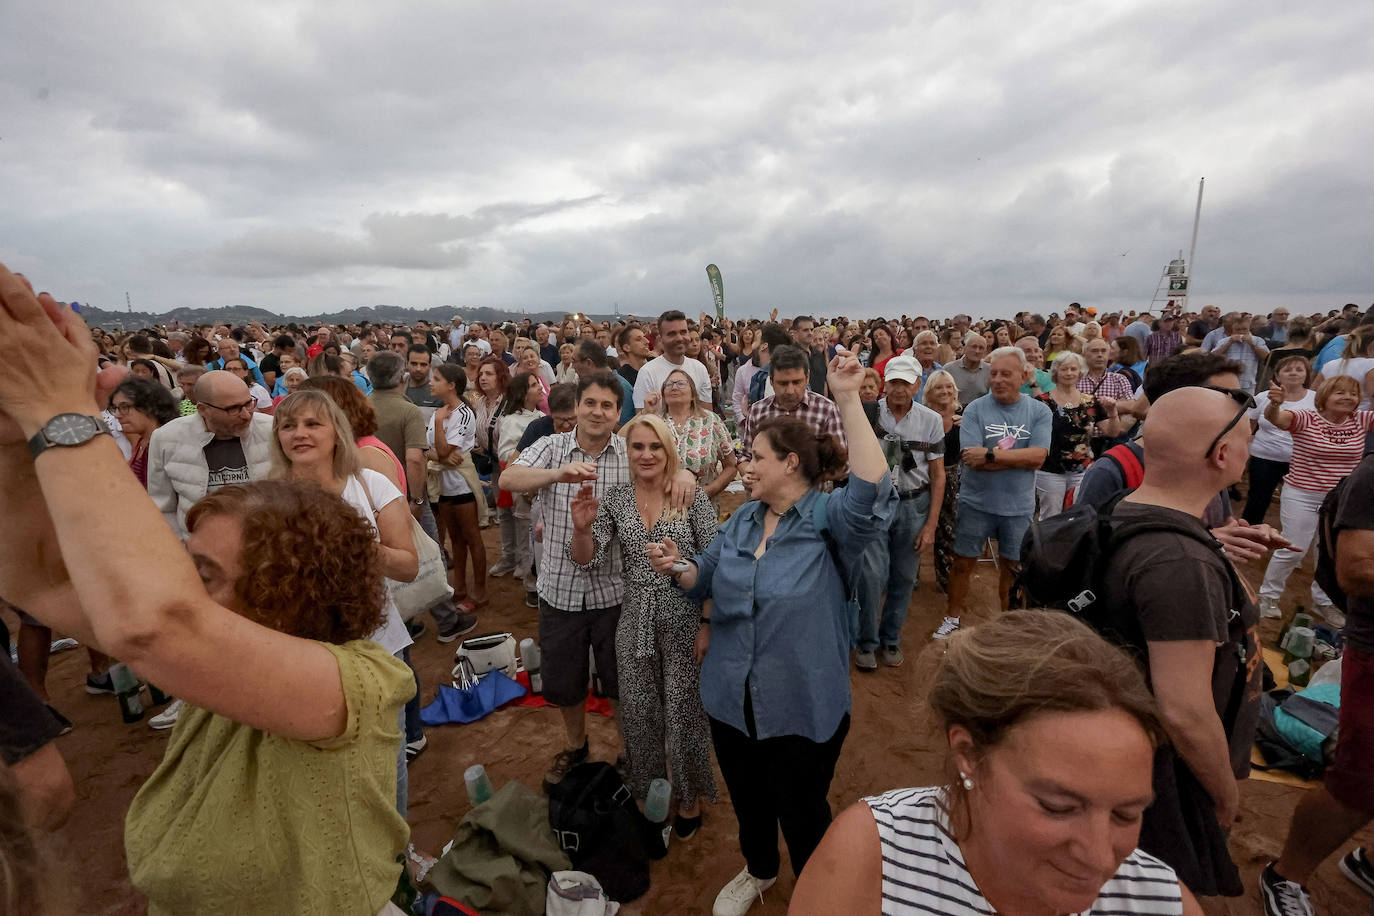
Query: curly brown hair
pixel 310 566
pixel 350 399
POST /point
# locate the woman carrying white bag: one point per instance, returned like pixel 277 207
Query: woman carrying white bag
pixel 312 440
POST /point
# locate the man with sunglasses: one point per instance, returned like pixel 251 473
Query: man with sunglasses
pixel 225 441
pixel 1178 604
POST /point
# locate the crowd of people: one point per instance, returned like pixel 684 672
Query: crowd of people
pixel 283 481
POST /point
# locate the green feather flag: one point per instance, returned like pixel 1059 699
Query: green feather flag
pixel 717 289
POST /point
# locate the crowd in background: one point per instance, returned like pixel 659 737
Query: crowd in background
pixel 600 452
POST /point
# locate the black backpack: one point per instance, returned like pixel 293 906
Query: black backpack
pixel 596 822
pixel 1065 559
pixel 1326 544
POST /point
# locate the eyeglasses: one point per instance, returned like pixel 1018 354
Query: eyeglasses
pixel 120 410
pixel 1241 397
pixel 676 384
pixel 234 408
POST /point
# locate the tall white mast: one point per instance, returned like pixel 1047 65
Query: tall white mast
pixel 1192 249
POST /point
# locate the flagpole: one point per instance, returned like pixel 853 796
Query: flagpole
pixel 1192 249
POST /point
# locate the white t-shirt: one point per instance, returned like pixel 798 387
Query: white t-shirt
pixel 655 373
pixel 460 431
pixel 392 635
pixel 1270 442
pixel 260 394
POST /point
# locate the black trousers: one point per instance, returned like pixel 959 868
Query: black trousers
pixel 774 782
pixel 1265 477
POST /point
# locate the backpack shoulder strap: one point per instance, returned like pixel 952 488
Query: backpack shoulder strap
pixel 1132 471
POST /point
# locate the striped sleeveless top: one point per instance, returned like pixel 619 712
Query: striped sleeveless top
pixel 924 872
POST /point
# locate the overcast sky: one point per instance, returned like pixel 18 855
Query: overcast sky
pixel 855 158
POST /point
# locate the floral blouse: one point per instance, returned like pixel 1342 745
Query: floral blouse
pixel 702 443
pixel 1071 448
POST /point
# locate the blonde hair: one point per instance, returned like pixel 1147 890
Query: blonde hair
pixel 664 434
pixel 939 375
pixel 347 460
pixel 1329 387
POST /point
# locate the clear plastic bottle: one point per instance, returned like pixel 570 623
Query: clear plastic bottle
pixel 656 803
pixel 126 691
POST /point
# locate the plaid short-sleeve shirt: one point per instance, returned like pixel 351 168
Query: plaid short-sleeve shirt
pixel 561 583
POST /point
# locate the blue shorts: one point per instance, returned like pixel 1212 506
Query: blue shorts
pixel 975 527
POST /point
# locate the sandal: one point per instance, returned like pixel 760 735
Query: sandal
pixel 468 606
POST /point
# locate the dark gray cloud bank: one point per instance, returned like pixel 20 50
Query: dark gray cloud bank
pixel 838 158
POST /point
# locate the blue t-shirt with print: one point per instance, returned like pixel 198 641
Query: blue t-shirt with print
pixel 990 424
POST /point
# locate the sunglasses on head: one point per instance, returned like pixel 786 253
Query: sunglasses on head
pixel 1242 397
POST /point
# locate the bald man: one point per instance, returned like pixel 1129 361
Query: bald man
pixel 225 441
pixel 1184 611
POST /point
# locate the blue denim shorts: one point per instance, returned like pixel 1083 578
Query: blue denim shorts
pixel 975 527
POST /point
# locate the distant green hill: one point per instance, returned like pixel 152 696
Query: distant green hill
pixel 243 314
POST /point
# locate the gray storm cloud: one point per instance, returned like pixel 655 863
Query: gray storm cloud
pixel 862 159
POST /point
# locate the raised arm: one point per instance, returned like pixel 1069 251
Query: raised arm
pixel 866 460
pixel 139 599
pixel 1274 412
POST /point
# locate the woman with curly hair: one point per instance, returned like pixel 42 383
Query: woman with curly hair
pixel 277 791
pixel 312 441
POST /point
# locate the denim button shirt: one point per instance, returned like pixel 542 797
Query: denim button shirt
pixel 779 620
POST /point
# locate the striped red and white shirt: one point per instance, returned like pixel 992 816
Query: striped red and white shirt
pixel 1324 452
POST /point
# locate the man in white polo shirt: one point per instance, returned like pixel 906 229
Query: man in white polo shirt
pixel 673 335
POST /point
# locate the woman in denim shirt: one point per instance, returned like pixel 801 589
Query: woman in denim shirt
pixel 775 679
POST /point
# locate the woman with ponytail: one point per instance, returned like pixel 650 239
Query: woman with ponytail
pixel 775 677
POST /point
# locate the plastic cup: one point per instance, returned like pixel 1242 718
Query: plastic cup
pixel 478 783
pixel 656 805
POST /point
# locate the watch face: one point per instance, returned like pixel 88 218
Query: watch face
pixel 69 429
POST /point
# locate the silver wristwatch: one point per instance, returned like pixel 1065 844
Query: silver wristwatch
pixel 67 430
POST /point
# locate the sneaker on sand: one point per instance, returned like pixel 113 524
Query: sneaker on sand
pixel 501 568
pixel 167 718
pixel 531 599
pixel 1283 898
pixel 464 623
pixel 1332 615
pixel 416 628
pixel 416 748
pixel 865 661
pixel 891 656
pixel 739 895
pixel 948 628
pixel 98 685
pixel 1269 607
pixel 564 761
pixel 1356 867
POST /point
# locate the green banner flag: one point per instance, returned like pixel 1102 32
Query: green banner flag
pixel 717 289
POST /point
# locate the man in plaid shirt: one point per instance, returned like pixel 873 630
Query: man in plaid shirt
pixel 579 609
pixel 789 369
pixel 1097 381
pixel 1162 343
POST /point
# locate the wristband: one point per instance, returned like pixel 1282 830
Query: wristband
pixel 991 457
pixel 705 621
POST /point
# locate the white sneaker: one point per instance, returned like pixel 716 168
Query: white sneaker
pixel 1332 615
pixel 499 569
pixel 167 718
pixel 948 628
pixel 739 895
pixel 1269 607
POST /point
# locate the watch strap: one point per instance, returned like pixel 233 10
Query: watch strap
pixel 40 441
